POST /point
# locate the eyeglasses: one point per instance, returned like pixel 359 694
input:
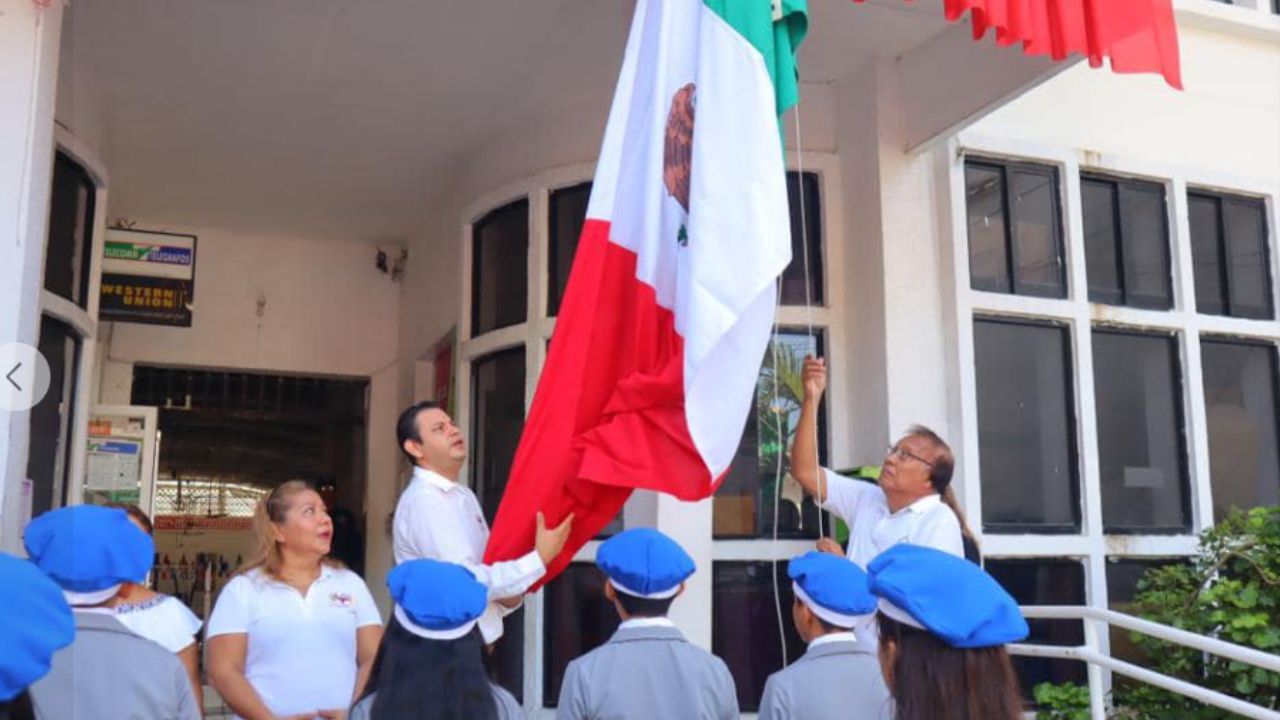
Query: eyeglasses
pixel 903 454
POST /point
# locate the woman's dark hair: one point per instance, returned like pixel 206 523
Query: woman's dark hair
pixel 415 677
pixel 18 708
pixel 930 680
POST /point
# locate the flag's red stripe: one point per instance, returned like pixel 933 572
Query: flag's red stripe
pixel 608 415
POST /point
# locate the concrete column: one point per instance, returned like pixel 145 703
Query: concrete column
pixel 29 39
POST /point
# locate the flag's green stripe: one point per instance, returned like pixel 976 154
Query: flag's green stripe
pixel 776 41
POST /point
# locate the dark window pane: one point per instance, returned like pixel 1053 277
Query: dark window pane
pixel 1123 575
pixel 1145 226
pixel 806 225
pixel 1037 234
pixel 497 419
pixel 1101 241
pixel 1045 582
pixel 988 240
pixel 49 460
pixel 578 619
pixel 1250 282
pixel 743 505
pixel 67 253
pixel 1240 404
pixel 744 624
pixel 1206 254
pixel 568 213
pixel 1137 391
pixel 1026 433
pixel 500 268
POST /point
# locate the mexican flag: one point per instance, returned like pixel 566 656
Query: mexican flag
pixel 670 302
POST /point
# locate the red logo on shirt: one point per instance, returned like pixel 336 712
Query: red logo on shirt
pixel 341 600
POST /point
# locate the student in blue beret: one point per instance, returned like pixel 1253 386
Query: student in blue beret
pixel 943 624
pixel 836 677
pixel 108 671
pixel 35 622
pixel 647 669
pixel 430 664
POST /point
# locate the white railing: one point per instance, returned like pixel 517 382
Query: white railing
pixel 1097 662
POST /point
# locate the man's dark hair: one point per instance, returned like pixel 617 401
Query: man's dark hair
pixel 643 607
pixel 407 425
pixel 944 461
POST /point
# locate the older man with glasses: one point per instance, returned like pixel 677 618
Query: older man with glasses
pixel 906 506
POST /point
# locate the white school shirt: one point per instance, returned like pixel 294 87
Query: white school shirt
pixel 301 654
pixel 439 519
pixel 873 529
pixel 163 619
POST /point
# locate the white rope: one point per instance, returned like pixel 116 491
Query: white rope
pixel 777 479
pixel 808 307
pixel 778 474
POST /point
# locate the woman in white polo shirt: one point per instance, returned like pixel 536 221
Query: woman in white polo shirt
pixel 294 634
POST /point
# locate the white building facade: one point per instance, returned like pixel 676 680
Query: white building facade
pixel 1070 274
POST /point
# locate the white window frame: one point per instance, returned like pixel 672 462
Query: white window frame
pixel 82 321
pixel 533 333
pixel 1091 545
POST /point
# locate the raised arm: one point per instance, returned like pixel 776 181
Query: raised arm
pixel 804 450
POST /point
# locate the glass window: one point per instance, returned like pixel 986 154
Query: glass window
pixel 1026 427
pixel 1229 252
pixel 49 460
pixel 1138 394
pixel 568 213
pixel 744 503
pixel 1240 385
pixel 743 599
pixel 500 268
pixel 68 252
pixel 1123 575
pixel 1247 259
pixel 1015 228
pixel 577 619
pixel 1043 581
pixel 1126 242
pixel 988 241
pixel 806 225
pixel 497 419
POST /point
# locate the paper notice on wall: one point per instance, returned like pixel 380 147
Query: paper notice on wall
pixel 1143 477
pixel 114 465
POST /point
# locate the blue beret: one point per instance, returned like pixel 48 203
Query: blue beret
pixel 87 548
pixel 436 599
pixel 35 621
pixel 645 563
pixel 833 587
pixel 949 596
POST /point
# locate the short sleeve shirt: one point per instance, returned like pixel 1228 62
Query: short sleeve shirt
pixel 163 619
pixel 301 654
pixel 874 529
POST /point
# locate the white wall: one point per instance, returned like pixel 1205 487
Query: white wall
pixel 1226 120
pixel 29 38
pixel 277 304
pixel 287 305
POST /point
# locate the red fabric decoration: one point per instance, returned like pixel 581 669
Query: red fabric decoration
pixel 1139 36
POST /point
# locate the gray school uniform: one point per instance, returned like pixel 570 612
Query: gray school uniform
pixel 508 708
pixel 109 672
pixel 648 672
pixel 832 680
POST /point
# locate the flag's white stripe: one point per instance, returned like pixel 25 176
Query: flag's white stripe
pixel 740 240
pixel 719 287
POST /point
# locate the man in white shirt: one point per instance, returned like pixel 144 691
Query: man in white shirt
pixel 905 506
pixel 439 519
